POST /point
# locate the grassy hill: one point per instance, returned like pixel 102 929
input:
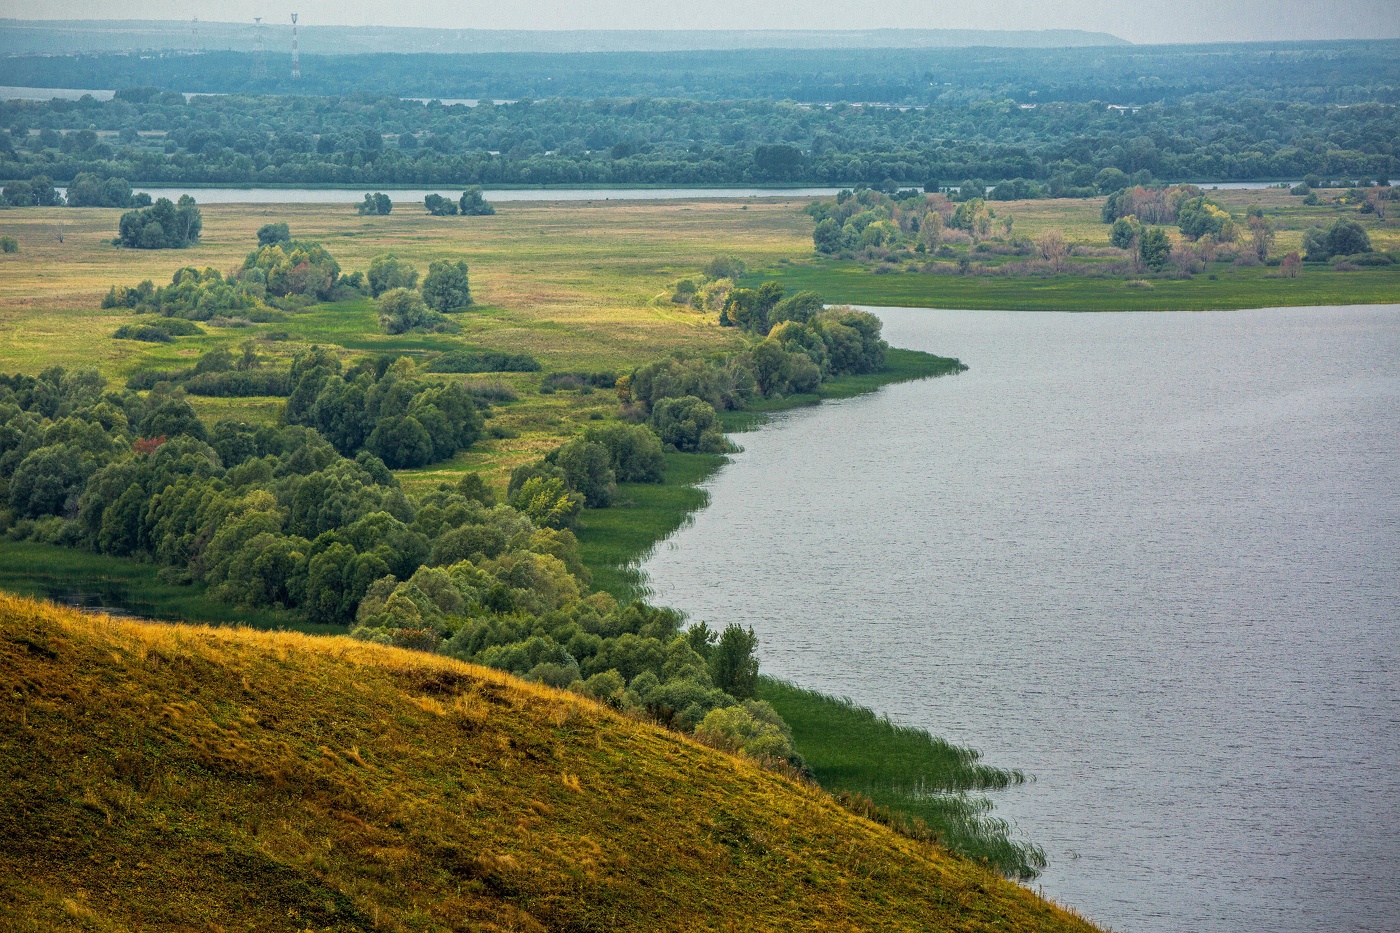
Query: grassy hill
pixel 158 777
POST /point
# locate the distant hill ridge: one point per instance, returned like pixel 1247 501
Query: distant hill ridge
pixel 61 36
pixel 169 777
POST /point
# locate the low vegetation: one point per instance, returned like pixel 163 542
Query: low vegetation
pixel 158 777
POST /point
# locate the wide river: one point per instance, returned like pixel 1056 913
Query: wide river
pixel 402 196
pixel 1153 559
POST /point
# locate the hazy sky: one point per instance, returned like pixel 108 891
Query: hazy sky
pixel 1163 21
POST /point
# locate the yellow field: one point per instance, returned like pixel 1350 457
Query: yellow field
pixel 157 777
pixel 579 285
pixel 572 283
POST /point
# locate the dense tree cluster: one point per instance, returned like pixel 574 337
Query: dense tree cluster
pixel 37 192
pixel 163 225
pixel 1345 237
pixel 377 204
pixel 193 295
pixel 1342 72
pixel 276 517
pixel 381 406
pixel 89 190
pixel 1053 148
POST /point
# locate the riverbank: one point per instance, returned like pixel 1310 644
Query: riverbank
pixel 905 776
pixel 614 541
pixel 1224 289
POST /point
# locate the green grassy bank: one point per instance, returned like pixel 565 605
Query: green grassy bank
pixel 1231 288
pixel 910 772
pixel 615 540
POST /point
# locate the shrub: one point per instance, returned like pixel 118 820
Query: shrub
pixel 272 234
pixel 293 268
pixel 163 225
pixel 688 424
pixel 446 288
pixel 401 311
pixel 634 451
pixel 725 267
pixel 388 272
pixel 474 204
pixel 1345 237
pixel 143 332
pixel 577 382
pixel 9 244
pixel 439 206
pixel 484 361
pixel 375 205
pixel 548 502
pixel 737 729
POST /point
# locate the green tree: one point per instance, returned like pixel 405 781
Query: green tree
pixel 439 206
pixel 688 424
pixel 273 234
pixel 401 442
pixel 733 665
pixel 474 204
pixel 401 311
pixel 1125 232
pixel 1154 248
pixel 447 288
pixel 634 451
pixel 588 470
pixel 375 205
pixel 388 271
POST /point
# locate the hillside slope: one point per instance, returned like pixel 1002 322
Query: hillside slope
pixel 181 778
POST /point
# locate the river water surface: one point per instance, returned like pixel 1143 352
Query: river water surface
pixel 1153 559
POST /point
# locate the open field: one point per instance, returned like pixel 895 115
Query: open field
pixel 1235 288
pixel 174 777
pixel 1083 287
pixel 580 286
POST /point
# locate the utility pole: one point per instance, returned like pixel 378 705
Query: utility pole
pixel 259 52
pixel 296 59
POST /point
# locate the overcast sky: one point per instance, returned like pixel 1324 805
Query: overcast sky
pixel 1163 21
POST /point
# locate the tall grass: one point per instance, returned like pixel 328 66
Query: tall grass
pixel 925 786
pixel 1258 287
pixel 119 585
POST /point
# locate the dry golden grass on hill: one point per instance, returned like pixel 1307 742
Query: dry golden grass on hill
pixel 159 777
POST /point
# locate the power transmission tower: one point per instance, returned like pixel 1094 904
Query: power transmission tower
pixel 296 59
pixel 259 51
pixel 194 27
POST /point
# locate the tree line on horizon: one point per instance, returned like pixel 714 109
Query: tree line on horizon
pixel 152 137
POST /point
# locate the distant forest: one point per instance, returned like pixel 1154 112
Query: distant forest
pixel 147 136
pixel 1312 72
pixel 1054 117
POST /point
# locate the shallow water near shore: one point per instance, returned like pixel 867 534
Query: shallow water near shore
pixel 1153 559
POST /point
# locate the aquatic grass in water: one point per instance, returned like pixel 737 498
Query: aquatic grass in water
pixel 904 777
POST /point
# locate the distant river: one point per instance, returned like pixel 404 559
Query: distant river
pixel 1153 559
pixel 416 195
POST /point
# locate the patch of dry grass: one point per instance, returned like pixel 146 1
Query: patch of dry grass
pixel 176 777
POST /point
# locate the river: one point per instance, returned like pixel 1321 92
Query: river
pixel 416 195
pixel 1153 559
